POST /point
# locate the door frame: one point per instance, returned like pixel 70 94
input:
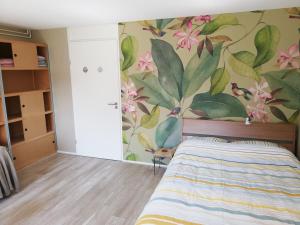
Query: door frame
pixel 116 40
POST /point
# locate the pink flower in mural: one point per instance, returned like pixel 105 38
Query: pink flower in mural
pixel 289 58
pixel 189 24
pixel 145 62
pixel 259 92
pixel 258 112
pixel 129 90
pixel 129 93
pixel 205 18
pixel 186 39
pixel 128 106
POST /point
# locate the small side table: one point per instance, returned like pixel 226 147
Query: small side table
pixel 162 154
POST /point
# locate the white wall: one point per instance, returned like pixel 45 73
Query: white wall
pixel 61 84
pixel 57 40
pixel 107 31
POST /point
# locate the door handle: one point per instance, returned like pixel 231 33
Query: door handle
pixel 113 104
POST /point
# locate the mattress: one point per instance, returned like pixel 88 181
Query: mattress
pixel 222 183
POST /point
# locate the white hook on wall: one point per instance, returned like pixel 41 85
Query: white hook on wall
pixel 100 69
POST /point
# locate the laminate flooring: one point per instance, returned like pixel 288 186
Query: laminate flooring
pixel 70 190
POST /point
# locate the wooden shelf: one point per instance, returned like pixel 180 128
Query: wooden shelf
pixel 17 140
pixel 24 92
pixel 3 139
pixel 28 100
pixel 49 122
pixel 1 112
pixel 14 118
pixel 33 139
pixel 16 132
pixel 3 68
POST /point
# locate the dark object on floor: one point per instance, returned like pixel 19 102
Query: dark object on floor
pixel 9 182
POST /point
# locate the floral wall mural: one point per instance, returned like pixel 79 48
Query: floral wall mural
pixel 228 66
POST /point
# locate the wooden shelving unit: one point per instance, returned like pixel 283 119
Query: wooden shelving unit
pixel 28 103
pixel 3 134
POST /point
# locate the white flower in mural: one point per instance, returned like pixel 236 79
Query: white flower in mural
pixel 129 93
pixel 260 97
pixel 259 92
pixel 258 111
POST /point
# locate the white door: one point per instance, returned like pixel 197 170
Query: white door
pixel 96 97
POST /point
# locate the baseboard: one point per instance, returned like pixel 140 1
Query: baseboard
pixel 124 160
pixel 142 163
pixel 67 153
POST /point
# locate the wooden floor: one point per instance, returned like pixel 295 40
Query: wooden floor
pixel 71 190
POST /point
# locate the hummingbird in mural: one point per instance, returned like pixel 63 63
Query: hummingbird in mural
pixel 237 91
pixel 175 111
pixel 149 27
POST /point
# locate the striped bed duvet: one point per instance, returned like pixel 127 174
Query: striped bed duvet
pixel 220 183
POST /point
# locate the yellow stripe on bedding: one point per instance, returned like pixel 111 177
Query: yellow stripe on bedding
pixel 198 197
pixel 241 180
pixel 153 221
pixel 234 164
pixel 231 185
pixel 162 220
pixel 241 152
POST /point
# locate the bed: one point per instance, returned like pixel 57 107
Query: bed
pixel 225 183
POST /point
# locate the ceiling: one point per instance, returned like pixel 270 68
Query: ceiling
pixel 44 14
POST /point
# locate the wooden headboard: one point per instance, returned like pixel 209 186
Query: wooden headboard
pixel 282 133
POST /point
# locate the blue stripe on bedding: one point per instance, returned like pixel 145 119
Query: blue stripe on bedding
pixel 239 172
pixel 216 184
pixel 261 217
pixel 225 160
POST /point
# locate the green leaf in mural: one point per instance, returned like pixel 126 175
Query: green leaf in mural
pixel 124 138
pixel 219 21
pixel 126 120
pixel 145 141
pixel 126 127
pixel 240 68
pixel 245 57
pixel 266 42
pixel 199 113
pixel 220 38
pixel 168 133
pixel 150 121
pixel 162 23
pixel 129 49
pixel 153 90
pixel 278 114
pixel 176 26
pixel 198 70
pixel 169 65
pixel 124 76
pixel 131 157
pixel 143 108
pixel 289 84
pixel 209 46
pixel 218 81
pixel 200 48
pixel 293 118
pixel 218 106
